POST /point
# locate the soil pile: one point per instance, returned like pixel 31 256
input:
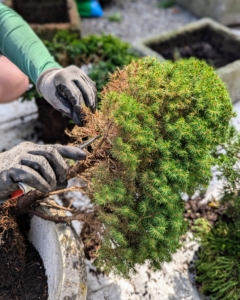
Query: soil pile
pixel 22 274
pixel 204 44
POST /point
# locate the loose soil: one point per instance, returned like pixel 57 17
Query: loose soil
pixel 22 274
pixel 42 11
pixel 53 124
pixel 205 44
pixel 211 211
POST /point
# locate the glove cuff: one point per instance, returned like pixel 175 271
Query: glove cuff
pixel 44 74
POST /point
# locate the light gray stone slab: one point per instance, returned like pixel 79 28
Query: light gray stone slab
pixel 173 282
pixel 230 74
pixel 226 12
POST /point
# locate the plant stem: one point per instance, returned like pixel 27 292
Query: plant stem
pixel 56 218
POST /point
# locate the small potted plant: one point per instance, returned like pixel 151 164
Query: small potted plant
pixel 158 124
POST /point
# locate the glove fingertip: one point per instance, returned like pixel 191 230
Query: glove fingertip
pixel 62 185
pixel 71 152
pixel 78 119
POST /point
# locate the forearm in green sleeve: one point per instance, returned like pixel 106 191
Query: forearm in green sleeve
pixel 21 45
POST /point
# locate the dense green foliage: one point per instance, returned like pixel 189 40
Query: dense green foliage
pixel 169 119
pixel 105 53
pixel 218 266
pixel 229 167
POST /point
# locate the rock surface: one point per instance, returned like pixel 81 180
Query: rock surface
pixel 173 282
pixel 139 18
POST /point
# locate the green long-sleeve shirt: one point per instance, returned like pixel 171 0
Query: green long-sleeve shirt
pixel 21 45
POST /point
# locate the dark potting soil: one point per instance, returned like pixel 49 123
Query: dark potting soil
pixel 42 11
pixel 53 124
pixel 205 44
pixel 22 274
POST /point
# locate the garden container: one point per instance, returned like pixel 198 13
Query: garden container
pixel 62 255
pixel 48 16
pixel 226 12
pixel 205 39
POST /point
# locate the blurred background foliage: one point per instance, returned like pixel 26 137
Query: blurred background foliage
pixel 98 55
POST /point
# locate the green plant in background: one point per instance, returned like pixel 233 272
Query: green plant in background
pixel 166 3
pixel 116 17
pixel 160 123
pixel 228 161
pixel 104 53
pixel 218 265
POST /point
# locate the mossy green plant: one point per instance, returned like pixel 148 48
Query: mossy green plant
pixel 160 124
pixel 218 265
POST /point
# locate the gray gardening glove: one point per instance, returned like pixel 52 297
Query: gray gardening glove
pixel 68 90
pixel 39 166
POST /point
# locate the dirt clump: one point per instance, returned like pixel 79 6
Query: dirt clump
pixel 22 274
pixel 195 209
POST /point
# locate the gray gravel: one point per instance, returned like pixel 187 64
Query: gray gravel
pixel 139 19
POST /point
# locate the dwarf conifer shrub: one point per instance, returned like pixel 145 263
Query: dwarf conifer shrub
pixel 159 124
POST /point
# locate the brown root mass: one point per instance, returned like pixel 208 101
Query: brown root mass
pixel 99 151
pixel 91 238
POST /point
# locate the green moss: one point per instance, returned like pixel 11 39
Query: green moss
pixel 169 118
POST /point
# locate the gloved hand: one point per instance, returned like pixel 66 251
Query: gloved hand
pixel 39 166
pixel 68 90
